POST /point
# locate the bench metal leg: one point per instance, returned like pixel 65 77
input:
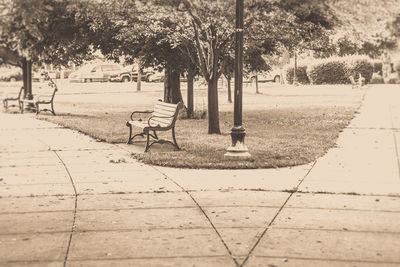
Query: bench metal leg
pixel 52 109
pixel 173 138
pixel 147 142
pixel 37 108
pixel 130 133
pixel 22 107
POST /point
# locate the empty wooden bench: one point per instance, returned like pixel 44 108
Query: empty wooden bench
pixel 39 100
pixel 161 118
pixel 13 101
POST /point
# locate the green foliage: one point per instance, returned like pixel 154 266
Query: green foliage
pixel 376 79
pixel 328 71
pixel 378 65
pixel 301 74
pixel 363 29
pixel 396 64
pixel 337 70
pixel 46 31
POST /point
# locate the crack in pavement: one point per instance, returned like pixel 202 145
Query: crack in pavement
pixel 75 209
pixel 395 139
pixel 203 212
pixel 276 215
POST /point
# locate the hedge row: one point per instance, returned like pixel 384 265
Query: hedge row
pixel 333 70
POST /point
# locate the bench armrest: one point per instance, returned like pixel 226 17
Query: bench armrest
pixel 12 96
pixel 140 112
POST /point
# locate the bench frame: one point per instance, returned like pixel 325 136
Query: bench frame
pixel 17 99
pixel 357 83
pixel 40 101
pixel 149 128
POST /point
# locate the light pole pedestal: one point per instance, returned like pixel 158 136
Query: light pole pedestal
pixel 238 150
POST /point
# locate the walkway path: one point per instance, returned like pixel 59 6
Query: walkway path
pixel 67 200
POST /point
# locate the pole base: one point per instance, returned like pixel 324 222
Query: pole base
pixel 238 150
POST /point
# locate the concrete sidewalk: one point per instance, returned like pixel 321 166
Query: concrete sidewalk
pixel 67 200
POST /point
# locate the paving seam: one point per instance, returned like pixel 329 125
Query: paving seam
pixel 28 261
pixel 345 230
pixel 203 212
pixel 118 259
pixel 395 140
pixel 124 230
pixel 205 206
pixel 171 192
pixel 276 215
pixel 330 260
pixel 35 212
pixel 7 185
pixel 75 209
pixel 198 228
pixel 63 150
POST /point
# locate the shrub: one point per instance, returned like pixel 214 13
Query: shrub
pixel 337 70
pixel 301 74
pixel 378 65
pixel 328 71
pixel 377 79
pixel 396 65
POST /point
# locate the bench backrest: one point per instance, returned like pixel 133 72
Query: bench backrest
pixel 47 89
pixel 20 92
pixel 164 114
pixel 352 80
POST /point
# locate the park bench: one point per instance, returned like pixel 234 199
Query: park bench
pixel 14 99
pixel 39 100
pixel 162 118
pixel 357 83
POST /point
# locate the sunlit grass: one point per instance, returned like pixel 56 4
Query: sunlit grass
pixel 278 137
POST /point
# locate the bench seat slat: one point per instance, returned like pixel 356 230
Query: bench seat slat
pixel 162 114
pixel 161 122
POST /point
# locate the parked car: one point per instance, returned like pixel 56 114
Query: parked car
pixel 100 72
pixel 11 74
pixel 146 73
pixel 271 76
pixel 156 77
pixel 124 75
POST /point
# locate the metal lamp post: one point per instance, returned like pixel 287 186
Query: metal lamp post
pixel 238 149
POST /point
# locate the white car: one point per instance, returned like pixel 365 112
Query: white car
pixel 156 77
pixel 11 74
pixel 100 72
pixel 271 76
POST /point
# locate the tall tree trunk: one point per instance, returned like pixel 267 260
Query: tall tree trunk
pixel 139 76
pixel 256 80
pixel 213 113
pixel 228 79
pixel 25 76
pixel 190 93
pixel 172 85
pixel 295 68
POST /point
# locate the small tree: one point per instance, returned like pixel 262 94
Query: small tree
pixel 44 32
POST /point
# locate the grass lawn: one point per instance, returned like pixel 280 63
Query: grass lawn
pixel 276 137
